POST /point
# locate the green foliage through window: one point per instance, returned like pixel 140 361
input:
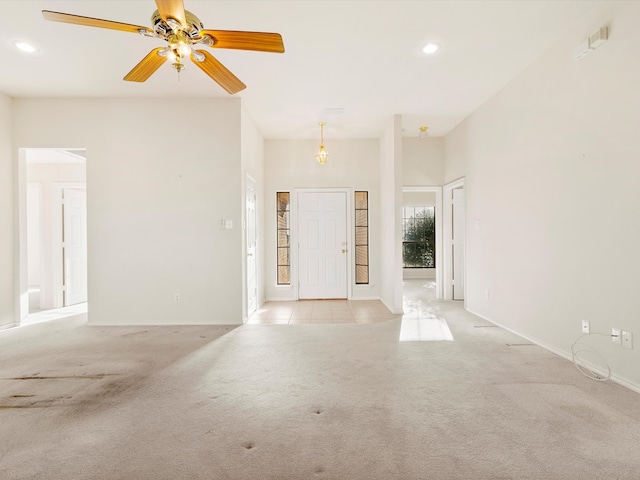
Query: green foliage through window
pixel 418 237
pixel 283 212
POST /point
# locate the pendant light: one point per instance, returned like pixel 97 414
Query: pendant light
pixel 322 154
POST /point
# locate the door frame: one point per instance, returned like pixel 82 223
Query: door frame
pixel 447 212
pixel 250 180
pixel 21 257
pixel 57 230
pixel 40 246
pixel 351 236
pixel 439 237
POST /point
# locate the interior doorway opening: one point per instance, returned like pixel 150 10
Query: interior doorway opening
pixel 53 233
pixel 427 197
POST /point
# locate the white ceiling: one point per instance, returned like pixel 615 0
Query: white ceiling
pixel 361 56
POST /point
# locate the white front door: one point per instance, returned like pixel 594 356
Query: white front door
pixel 322 245
pixel 74 245
pixel 252 274
pixel 457 243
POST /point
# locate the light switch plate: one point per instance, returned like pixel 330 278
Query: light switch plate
pixel 616 336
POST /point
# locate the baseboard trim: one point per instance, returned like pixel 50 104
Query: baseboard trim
pixel 562 353
pixel 356 299
pixel 281 299
pixel 391 309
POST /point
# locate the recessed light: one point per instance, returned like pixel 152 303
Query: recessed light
pixel 24 46
pixel 431 48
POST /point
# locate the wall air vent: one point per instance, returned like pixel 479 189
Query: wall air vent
pixel 598 38
pixel 588 45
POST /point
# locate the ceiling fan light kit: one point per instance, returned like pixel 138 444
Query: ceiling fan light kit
pixel 182 31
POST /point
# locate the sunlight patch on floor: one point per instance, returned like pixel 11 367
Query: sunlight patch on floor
pixel 425 330
pixel 55 314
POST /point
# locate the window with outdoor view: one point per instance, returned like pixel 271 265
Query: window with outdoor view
pixel 418 237
pixel 362 238
pixel 283 231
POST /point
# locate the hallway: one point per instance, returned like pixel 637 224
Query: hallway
pixel 417 295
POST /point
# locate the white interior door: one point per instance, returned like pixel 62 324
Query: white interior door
pixel 322 245
pixel 74 245
pixel 457 243
pixel 252 273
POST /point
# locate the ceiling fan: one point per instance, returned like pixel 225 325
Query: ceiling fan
pixel 183 31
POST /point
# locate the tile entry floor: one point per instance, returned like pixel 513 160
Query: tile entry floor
pixel 340 311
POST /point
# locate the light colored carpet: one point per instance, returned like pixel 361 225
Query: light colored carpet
pixel 305 402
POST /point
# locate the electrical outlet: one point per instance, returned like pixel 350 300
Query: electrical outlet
pixel 176 298
pixel 226 224
pixel 627 340
pixel 616 337
pixel 585 326
pixel 486 294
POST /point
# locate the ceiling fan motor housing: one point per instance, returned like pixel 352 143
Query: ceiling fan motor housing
pixel 192 30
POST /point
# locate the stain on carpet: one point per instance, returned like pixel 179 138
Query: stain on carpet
pixel 99 376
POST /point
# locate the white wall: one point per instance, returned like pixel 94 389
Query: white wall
pixel 252 154
pixel 46 175
pixel 552 171
pixel 158 185
pixel 290 164
pixel 420 199
pixel 456 153
pixel 391 215
pixel 423 161
pixel 7 225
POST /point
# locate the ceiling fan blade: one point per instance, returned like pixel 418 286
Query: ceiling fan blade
pixel 259 41
pixel 172 9
pixel 147 66
pixel 91 22
pixel 219 73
